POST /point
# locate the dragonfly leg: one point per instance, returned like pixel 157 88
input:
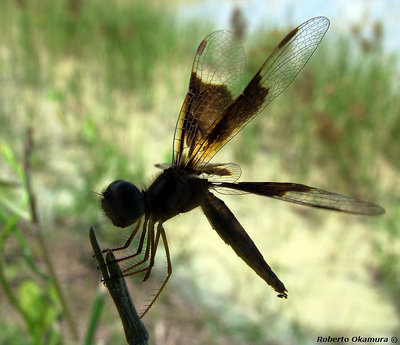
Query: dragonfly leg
pixel 129 240
pixel 160 230
pixel 153 254
pixel 153 250
pixel 140 247
pixel 149 249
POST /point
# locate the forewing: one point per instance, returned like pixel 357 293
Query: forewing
pixel 308 196
pixel 274 76
pixel 216 80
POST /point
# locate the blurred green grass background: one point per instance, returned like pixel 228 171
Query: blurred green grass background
pixel 101 87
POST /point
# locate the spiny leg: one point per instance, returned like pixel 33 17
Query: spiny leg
pixel 160 230
pixel 153 250
pixel 142 237
pixel 153 254
pixel 140 246
pixel 149 249
pixel 129 241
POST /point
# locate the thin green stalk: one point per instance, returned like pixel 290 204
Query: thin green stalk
pixel 135 331
pixel 38 231
pixel 14 302
pixel 97 308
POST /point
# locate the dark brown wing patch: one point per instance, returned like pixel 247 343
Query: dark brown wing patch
pixel 247 104
pixel 203 114
pixel 288 37
pixel 216 170
pixel 201 47
pixel 235 116
pixel 226 172
pixel 273 189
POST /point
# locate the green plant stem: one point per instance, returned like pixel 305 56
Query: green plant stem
pixel 95 316
pixel 13 300
pixel 38 231
pixel 135 331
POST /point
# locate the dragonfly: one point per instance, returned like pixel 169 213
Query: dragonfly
pixel 215 109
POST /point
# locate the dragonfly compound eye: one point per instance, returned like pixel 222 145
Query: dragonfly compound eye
pixel 123 203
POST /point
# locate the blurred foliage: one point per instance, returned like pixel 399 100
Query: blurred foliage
pixel 76 71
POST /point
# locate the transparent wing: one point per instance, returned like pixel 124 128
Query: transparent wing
pixel 308 196
pixel 216 80
pixel 227 172
pixel 274 76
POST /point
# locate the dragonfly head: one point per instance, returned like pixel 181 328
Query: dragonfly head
pixel 123 203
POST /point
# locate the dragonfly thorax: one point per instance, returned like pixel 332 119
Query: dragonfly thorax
pixel 174 191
